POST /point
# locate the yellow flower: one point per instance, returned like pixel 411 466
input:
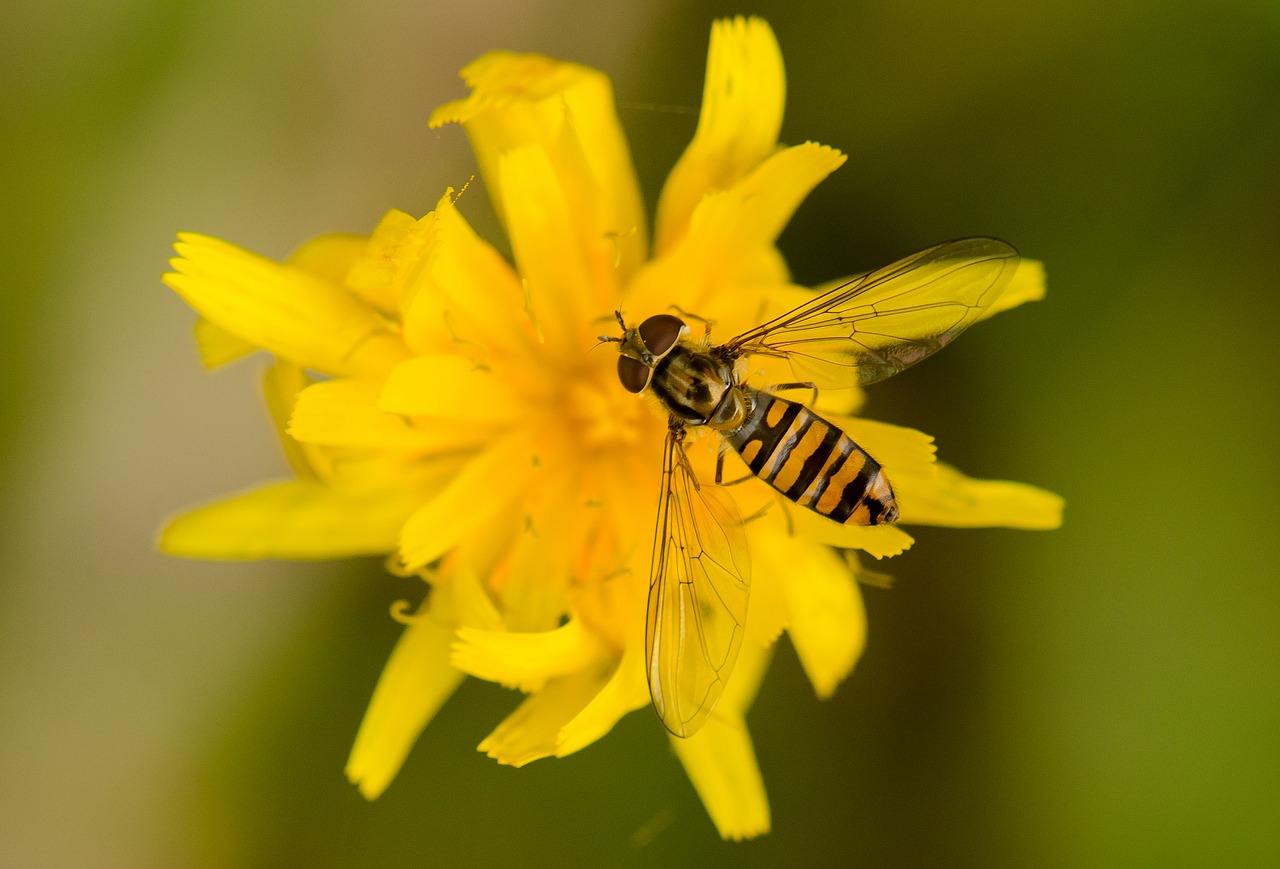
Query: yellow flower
pixel 449 409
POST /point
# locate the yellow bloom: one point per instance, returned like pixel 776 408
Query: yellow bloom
pixel 446 408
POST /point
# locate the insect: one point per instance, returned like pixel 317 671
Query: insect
pixel 855 334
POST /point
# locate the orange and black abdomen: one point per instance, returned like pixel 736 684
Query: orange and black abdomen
pixel 812 462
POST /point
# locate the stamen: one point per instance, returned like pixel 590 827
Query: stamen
pixel 483 364
pixel 615 237
pixel 394 565
pixel 528 310
pixel 400 612
pixel 449 190
pixel 650 830
pixel 616 574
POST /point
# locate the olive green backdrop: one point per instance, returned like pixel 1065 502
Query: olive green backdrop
pixel 1103 695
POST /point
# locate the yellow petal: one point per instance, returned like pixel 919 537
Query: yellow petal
pixel 280 387
pixel 444 386
pixel 740 693
pixel 565 111
pixel 330 257
pixel 770 576
pixel 771 192
pixel 561 269
pixel 345 413
pixel 485 488
pixel 283 309
pixel 951 499
pixel 464 297
pixel 625 692
pixel 1027 285
pixel 879 541
pixel 217 346
pixel 730 237
pixel 415 683
pixel 418 678
pixel 530 732
pixel 721 761
pixel 301 519
pixel 613 563
pixel 533 583
pixel 897 448
pixel 470 603
pixel 526 660
pixel 824 612
pixel 742 104
pixel 392 253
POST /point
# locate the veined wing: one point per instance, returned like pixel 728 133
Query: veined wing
pixel 880 323
pixel 698 586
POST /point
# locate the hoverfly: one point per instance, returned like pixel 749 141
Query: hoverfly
pixel 858 333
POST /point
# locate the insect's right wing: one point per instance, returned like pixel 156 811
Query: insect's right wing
pixel 876 325
pixel 698 587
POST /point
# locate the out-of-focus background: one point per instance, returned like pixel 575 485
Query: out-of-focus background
pixel 1107 694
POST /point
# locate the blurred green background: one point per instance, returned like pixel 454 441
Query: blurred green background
pixel 1103 695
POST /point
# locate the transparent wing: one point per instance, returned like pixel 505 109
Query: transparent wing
pixel 698 586
pixel 880 323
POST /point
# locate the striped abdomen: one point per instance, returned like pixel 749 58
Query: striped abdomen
pixel 812 462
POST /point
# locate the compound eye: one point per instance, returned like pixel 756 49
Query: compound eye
pixel 660 332
pixel 633 373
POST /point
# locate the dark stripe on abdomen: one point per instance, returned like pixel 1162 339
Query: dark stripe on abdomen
pixel 765 428
pixel 812 462
pixel 844 448
pixel 817 459
pixel 851 497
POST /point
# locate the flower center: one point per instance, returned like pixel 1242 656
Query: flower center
pixel 603 416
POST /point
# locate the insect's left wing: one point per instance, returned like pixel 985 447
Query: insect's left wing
pixel 698 586
pixel 880 323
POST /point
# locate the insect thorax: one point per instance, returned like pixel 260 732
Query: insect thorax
pixel 697 387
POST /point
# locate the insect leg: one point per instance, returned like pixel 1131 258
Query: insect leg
pixel 808 384
pixel 707 324
pixel 720 470
pixel 791 526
